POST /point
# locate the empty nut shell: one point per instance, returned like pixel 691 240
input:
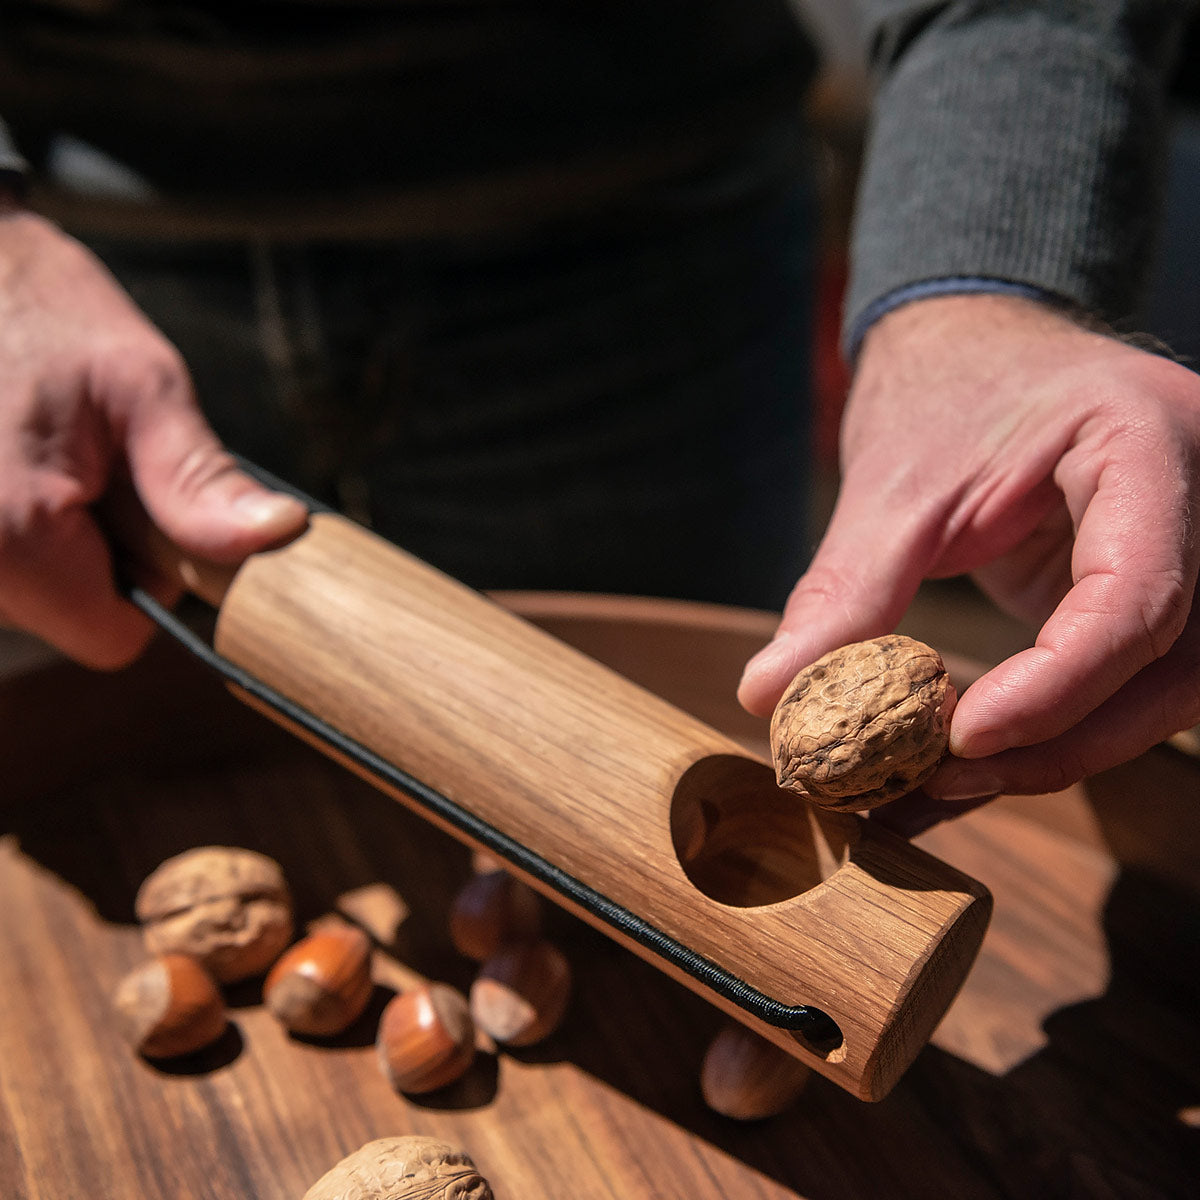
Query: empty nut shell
pixel 323 983
pixel 170 1006
pixel 426 1038
pixel 228 907
pixel 864 725
pixel 521 993
pixel 402 1168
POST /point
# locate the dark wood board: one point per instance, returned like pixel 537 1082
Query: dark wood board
pixel 1068 1066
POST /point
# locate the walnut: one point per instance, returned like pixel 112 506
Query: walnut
pixel 228 907
pixel 402 1168
pixel 863 725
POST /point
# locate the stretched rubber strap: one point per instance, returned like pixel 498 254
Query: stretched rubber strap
pixel 815 1026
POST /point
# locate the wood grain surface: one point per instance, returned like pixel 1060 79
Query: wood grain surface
pixel 1069 1065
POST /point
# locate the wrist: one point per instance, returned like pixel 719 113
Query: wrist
pixel 922 290
pixel 953 319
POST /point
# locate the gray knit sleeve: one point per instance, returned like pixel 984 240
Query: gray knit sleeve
pixel 1016 141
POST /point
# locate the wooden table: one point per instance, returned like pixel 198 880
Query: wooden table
pixel 1068 1066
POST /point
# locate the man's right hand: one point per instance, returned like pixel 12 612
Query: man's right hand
pixel 91 394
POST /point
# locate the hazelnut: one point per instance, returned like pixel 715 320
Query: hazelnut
pixel 746 1077
pixel 228 907
pixel 490 909
pixel 402 1168
pixel 170 1006
pixel 426 1038
pixel 322 983
pixel 865 724
pixel 521 993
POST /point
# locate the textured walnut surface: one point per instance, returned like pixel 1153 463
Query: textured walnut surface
pixel 204 874
pixel 402 1168
pixel 865 724
pixel 227 906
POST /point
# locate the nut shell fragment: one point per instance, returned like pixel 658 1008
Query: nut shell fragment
pixel 864 725
pixel 402 1168
pixel 226 906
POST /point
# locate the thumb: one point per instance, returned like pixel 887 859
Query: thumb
pixel 860 583
pixel 194 491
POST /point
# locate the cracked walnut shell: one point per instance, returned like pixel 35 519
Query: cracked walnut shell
pixel 864 725
pixel 226 906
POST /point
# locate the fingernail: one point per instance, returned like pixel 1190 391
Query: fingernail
pixel 266 509
pixel 978 743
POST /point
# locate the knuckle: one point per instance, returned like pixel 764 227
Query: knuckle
pixel 164 376
pixel 827 585
pixel 145 369
pixel 864 608
pixel 201 466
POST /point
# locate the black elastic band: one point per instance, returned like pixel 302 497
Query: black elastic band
pixel 815 1026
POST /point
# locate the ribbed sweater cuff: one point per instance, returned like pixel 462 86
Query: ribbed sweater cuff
pixel 1017 149
pixel 928 289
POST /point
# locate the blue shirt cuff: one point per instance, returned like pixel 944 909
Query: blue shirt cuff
pixel 952 285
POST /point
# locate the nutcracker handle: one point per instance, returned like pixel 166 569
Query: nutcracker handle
pixel 839 942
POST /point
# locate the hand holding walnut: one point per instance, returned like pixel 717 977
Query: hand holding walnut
pixel 1059 467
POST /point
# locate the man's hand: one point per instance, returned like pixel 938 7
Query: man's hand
pixel 1059 467
pixel 91 393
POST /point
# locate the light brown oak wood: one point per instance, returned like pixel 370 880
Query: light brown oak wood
pixel 661 814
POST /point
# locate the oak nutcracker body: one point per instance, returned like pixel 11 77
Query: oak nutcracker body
pixel 823 933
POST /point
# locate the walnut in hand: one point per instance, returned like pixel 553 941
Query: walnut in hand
pixel 864 725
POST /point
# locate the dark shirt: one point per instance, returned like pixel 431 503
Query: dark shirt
pixel 225 96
